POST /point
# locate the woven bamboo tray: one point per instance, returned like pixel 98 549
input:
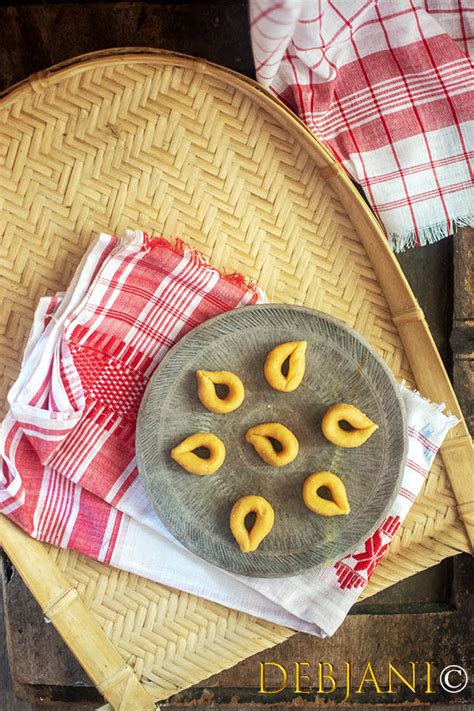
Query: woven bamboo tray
pixel 149 139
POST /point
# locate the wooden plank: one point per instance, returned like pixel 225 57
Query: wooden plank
pixel 30 40
pixel 429 271
pixel 462 337
pixel 34 644
pixel 7 697
pixel 15 696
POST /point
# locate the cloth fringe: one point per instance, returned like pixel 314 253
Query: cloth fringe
pixel 181 247
pixel 428 404
pixel 429 234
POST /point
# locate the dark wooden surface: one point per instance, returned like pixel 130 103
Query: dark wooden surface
pixel 35 36
pixel 423 618
pixel 30 648
pixel 462 337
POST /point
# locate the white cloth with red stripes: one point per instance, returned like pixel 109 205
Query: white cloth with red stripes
pixel 388 86
pixel 69 474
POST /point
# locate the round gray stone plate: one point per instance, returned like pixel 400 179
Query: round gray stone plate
pixel 340 367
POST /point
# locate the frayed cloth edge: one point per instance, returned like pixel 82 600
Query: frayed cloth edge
pixel 429 234
pixel 451 420
pixel 184 249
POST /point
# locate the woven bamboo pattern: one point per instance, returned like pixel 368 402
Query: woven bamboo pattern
pixel 181 148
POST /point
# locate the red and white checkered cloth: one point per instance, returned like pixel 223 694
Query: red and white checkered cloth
pixel 388 86
pixel 69 472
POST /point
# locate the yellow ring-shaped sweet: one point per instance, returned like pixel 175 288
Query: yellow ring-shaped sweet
pixel 208 379
pixel 250 540
pixel 185 456
pixel 272 369
pixel 259 435
pixel 339 504
pixel 363 427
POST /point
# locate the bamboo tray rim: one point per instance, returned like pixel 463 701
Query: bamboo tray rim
pixel 114 678
pixel 407 310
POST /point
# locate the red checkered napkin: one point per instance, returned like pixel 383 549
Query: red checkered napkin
pixel 69 473
pixel 387 85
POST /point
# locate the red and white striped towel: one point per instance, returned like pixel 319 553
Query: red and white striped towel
pixel 69 473
pixel 388 86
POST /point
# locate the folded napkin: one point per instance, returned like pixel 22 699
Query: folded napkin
pixel 387 85
pixel 69 473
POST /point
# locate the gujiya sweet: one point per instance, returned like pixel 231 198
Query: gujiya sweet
pixel 273 368
pixel 264 518
pixel 339 504
pixel 363 427
pixel 260 437
pixel 186 457
pixel 208 379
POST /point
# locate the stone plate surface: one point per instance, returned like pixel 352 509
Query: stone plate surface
pixel 340 367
